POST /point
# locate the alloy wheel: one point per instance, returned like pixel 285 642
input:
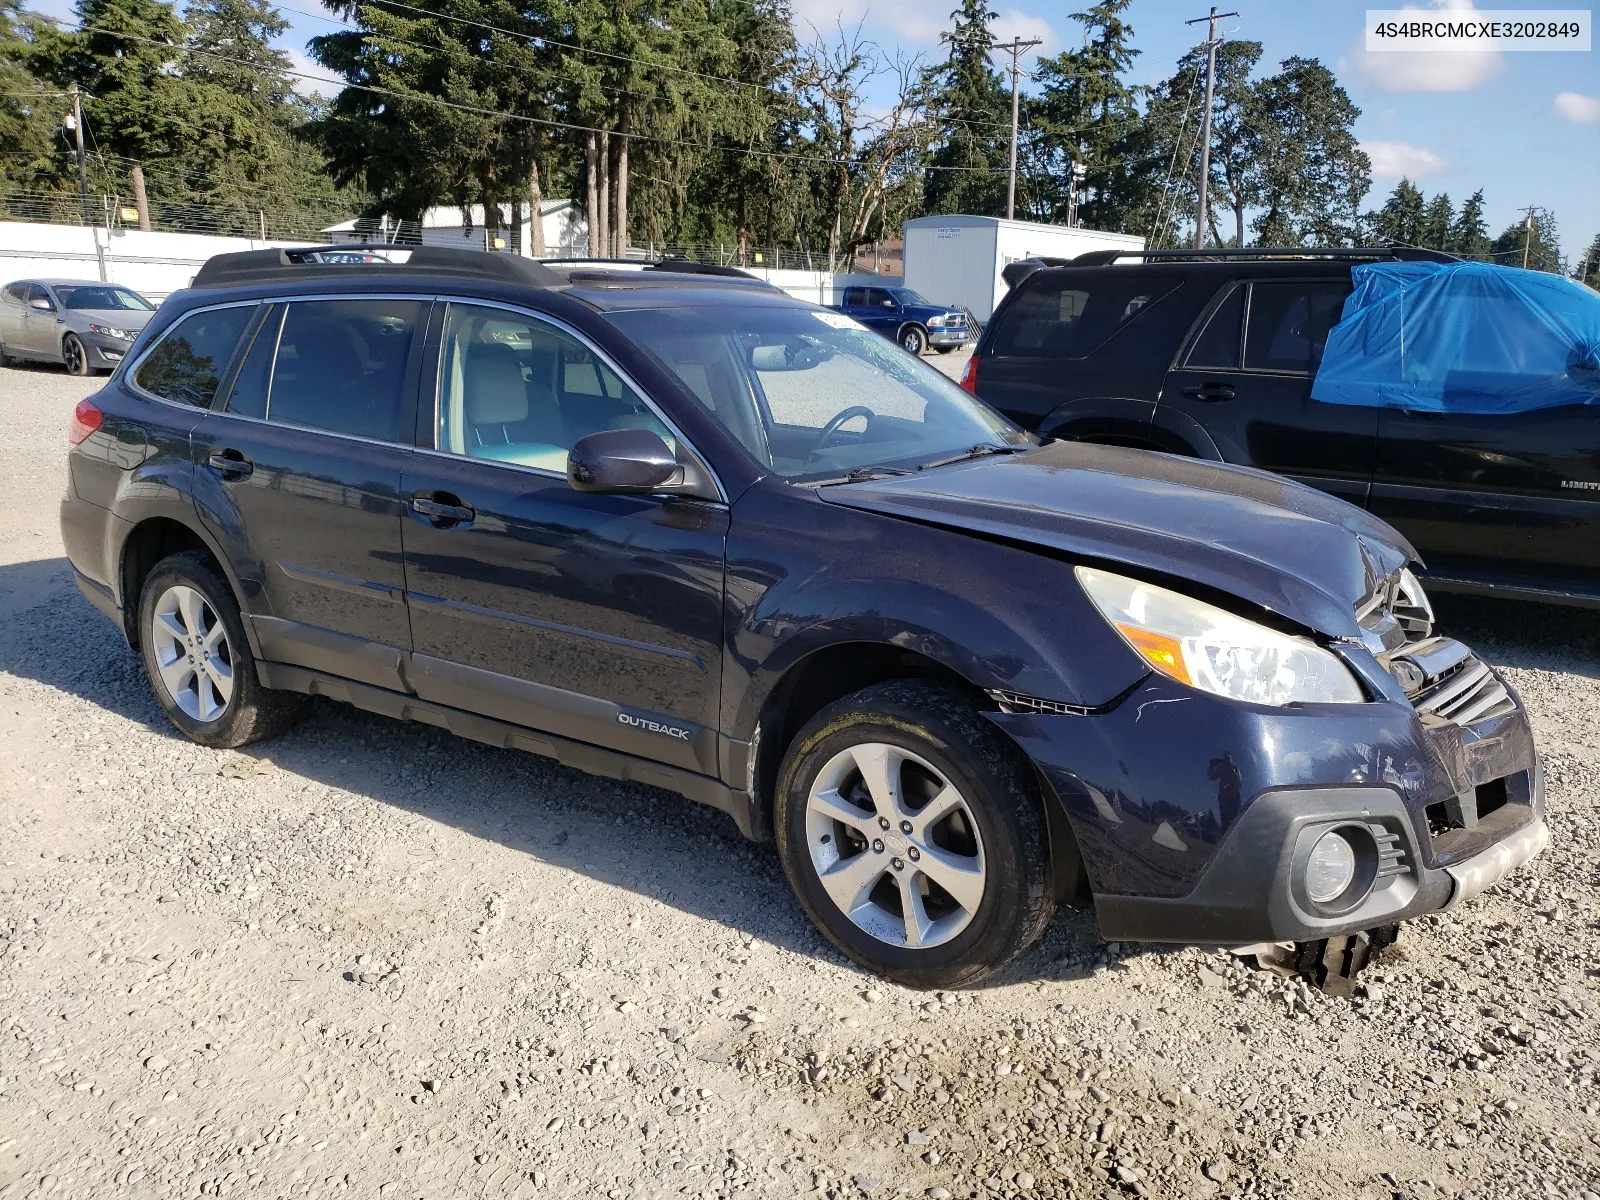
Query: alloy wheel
pixel 913 341
pixel 193 655
pixel 895 845
pixel 72 354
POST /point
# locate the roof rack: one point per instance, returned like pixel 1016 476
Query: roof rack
pixel 1101 258
pixel 352 259
pixel 674 266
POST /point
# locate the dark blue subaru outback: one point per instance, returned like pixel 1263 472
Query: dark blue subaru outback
pixel 683 529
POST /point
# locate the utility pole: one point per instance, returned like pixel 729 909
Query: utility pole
pixel 83 170
pixel 1202 209
pixel 1527 236
pixel 1016 47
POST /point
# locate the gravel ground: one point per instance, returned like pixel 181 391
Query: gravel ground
pixel 368 958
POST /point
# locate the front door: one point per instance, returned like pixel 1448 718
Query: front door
pixel 1510 497
pixel 299 475
pixel 41 327
pixel 1246 378
pixel 593 617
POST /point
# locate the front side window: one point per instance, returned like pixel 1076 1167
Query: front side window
pixel 190 359
pixel 1073 317
pixel 1289 325
pixel 340 365
pixel 810 393
pixel 103 296
pixel 516 389
pixel 38 292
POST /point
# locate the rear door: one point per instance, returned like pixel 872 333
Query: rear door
pixel 1513 498
pixel 299 476
pixel 593 617
pixel 1245 376
pixel 13 301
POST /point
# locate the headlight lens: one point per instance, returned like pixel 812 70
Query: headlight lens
pixel 111 331
pixel 1330 868
pixel 1211 649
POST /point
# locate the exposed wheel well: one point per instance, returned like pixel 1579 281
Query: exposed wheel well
pixel 917 325
pixel 837 671
pixel 149 543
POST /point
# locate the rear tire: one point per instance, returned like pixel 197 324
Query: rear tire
pixel 198 660
pixel 914 835
pixel 73 355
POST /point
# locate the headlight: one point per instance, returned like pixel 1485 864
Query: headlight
pixel 1211 649
pixel 111 331
pixel 935 322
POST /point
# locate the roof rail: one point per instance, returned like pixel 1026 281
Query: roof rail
pixel 676 266
pixel 1101 258
pixel 350 259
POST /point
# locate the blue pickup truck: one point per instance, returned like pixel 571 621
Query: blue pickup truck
pixel 906 317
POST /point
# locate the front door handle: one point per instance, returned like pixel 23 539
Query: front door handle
pixel 230 464
pixel 442 508
pixel 1210 391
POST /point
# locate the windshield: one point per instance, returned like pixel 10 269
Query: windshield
pixel 907 296
pixel 102 297
pixel 813 395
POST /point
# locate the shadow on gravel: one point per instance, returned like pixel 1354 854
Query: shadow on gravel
pixel 638 838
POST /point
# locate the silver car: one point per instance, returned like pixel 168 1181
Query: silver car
pixel 84 325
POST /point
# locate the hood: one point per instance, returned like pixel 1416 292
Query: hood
pixel 133 320
pixel 1285 547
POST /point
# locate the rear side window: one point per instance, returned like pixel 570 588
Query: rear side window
pixel 340 365
pixel 1218 344
pixel 1289 324
pixel 191 357
pixel 1072 317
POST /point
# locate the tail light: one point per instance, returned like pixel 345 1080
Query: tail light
pixel 86 419
pixel 969 377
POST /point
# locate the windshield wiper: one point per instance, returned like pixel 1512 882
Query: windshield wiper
pixel 981 450
pixel 862 474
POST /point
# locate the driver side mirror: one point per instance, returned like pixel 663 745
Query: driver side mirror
pixel 42 305
pixel 622 461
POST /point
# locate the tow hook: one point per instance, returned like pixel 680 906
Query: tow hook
pixel 1332 963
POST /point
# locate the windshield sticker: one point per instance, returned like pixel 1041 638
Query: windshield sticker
pixel 835 320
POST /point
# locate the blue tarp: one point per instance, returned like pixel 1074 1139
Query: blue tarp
pixel 1462 338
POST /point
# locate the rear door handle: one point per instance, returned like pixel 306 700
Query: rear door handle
pixel 438 508
pixel 1210 391
pixel 230 464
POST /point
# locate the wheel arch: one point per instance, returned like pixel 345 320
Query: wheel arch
pixel 146 544
pixel 912 324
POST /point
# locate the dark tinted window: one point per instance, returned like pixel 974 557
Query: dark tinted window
pixel 248 396
pixel 341 365
pixel 17 292
pixel 1218 343
pixel 1289 324
pixel 877 298
pixel 104 296
pixel 192 356
pixel 854 296
pixel 37 292
pixel 1071 317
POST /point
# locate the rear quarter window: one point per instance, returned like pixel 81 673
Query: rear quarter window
pixel 188 363
pixel 1071 317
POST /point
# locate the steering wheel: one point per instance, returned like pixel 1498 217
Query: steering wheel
pixel 832 427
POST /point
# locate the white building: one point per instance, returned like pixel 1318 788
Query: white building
pixel 957 260
pixel 566 232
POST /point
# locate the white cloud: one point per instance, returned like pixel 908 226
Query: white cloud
pixel 322 80
pixel 1427 70
pixel 1397 160
pixel 824 16
pixel 1578 108
pixel 1014 23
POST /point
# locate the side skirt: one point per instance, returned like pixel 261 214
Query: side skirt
pixel 580 755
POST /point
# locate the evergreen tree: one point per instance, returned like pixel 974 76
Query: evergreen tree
pixel 1088 114
pixel 127 58
pixel 1400 218
pixel 970 99
pixel 1589 269
pixel 1313 174
pixel 33 145
pixel 1438 220
pixel 1469 236
pixel 1540 250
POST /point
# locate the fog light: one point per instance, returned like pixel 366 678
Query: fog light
pixel 1330 868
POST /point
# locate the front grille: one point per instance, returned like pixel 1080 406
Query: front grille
pixel 1467 692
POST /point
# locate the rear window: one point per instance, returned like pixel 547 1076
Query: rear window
pixel 1072 316
pixel 191 357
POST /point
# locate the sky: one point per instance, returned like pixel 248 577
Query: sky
pixel 1524 127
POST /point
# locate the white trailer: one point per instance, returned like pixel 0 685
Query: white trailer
pixel 957 260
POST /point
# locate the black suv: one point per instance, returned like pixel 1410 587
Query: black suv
pixel 1212 355
pixel 686 530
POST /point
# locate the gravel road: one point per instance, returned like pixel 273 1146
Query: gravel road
pixel 370 959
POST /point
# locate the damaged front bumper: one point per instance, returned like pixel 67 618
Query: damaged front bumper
pixel 1196 816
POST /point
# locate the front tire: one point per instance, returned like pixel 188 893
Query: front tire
pixel 74 356
pixel 913 340
pixel 914 835
pixel 198 659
